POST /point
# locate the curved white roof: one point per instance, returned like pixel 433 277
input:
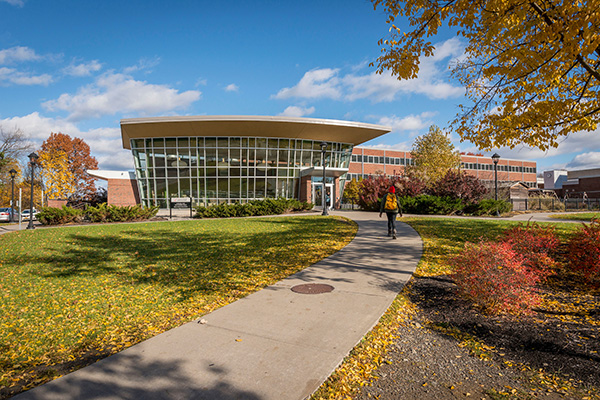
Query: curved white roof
pixel 253 126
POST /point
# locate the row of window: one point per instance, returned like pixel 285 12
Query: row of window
pixel 358 158
pixel 156 191
pixel 236 142
pixel 194 158
pixel 490 167
pixel 214 172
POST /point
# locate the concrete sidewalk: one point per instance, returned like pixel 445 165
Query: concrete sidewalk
pixel 274 344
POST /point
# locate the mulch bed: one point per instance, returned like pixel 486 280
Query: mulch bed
pixel 553 353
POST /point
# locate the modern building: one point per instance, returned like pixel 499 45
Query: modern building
pixel 576 184
pixel 216 159
pixel 221 159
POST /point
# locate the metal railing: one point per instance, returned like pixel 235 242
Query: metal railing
pixel 554 204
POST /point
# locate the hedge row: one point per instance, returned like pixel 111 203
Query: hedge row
pixel 434 205
pixel 100 213
pixel 252 208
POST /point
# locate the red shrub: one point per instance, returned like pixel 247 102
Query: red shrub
pixel 459 185
pixel 536 244
pixel 583 251
pixel 494 277
pixel 411 186
pixel 372 189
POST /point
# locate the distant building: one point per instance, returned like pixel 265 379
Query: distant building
pixel 555 179
pixel 366 162
pixel 583 183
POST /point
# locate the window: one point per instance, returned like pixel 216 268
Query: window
pixel 226 169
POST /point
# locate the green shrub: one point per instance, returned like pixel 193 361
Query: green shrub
pixel 427 205
pixel 100 213
pixel 58 216
pixel 488 207
pixel 252 208
pixel 110 213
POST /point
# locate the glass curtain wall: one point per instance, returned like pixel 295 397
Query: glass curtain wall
pixel 216 170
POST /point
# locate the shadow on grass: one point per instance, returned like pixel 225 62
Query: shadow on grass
pixel 186 259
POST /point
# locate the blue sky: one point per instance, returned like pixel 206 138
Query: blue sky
pixel 78 67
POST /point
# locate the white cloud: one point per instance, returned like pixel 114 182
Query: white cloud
pixel 38 127
pixel 585 160
pixel 402 146
pixel 408 123
pixel 83 69
pixel 576 143
pixel 315 84
pixel 105 143
pixel 18 3
pixel 113 93
pixel 232 87
pixel 431 81
pixel 452 48
pixel 295 111
pixel 18 54
pixel 145 64
pixel 10 75
pixel 120 160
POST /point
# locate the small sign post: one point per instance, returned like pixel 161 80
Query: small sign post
pixel 180 202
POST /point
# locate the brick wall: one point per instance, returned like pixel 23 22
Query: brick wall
pixel 504 166
pixel 123 192
pixel 57 203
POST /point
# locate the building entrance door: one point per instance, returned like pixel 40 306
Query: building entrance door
pixel 317 195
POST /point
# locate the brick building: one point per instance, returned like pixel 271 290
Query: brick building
pixel 366 161
pixel 574 184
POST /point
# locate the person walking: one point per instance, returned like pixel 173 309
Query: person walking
pixel 391 205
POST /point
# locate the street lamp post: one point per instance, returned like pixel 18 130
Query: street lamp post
pixel 324 191
pixel 495 158
pixel 32 160
pixel 13 173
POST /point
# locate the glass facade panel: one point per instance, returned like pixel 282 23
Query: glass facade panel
pixel 227 169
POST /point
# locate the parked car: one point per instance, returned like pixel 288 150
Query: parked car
pixel 25 214
pixel 5 214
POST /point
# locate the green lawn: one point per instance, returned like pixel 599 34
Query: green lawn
pixel 70 294
pixel 578 216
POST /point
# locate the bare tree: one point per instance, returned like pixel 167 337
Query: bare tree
pixel 14 144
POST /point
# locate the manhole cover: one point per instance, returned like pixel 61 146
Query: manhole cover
pixel 312 288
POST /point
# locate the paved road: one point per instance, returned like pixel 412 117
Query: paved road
pixel 272 345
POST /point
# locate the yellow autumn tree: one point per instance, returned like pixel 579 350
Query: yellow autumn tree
pixel 58 178
pixel 432 154
pixel 531 68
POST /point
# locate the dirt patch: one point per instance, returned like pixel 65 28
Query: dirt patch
pixel 450 350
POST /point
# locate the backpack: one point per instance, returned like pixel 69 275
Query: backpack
pixel 391 202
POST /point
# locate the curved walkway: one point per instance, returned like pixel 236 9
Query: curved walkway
pixel 273 344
